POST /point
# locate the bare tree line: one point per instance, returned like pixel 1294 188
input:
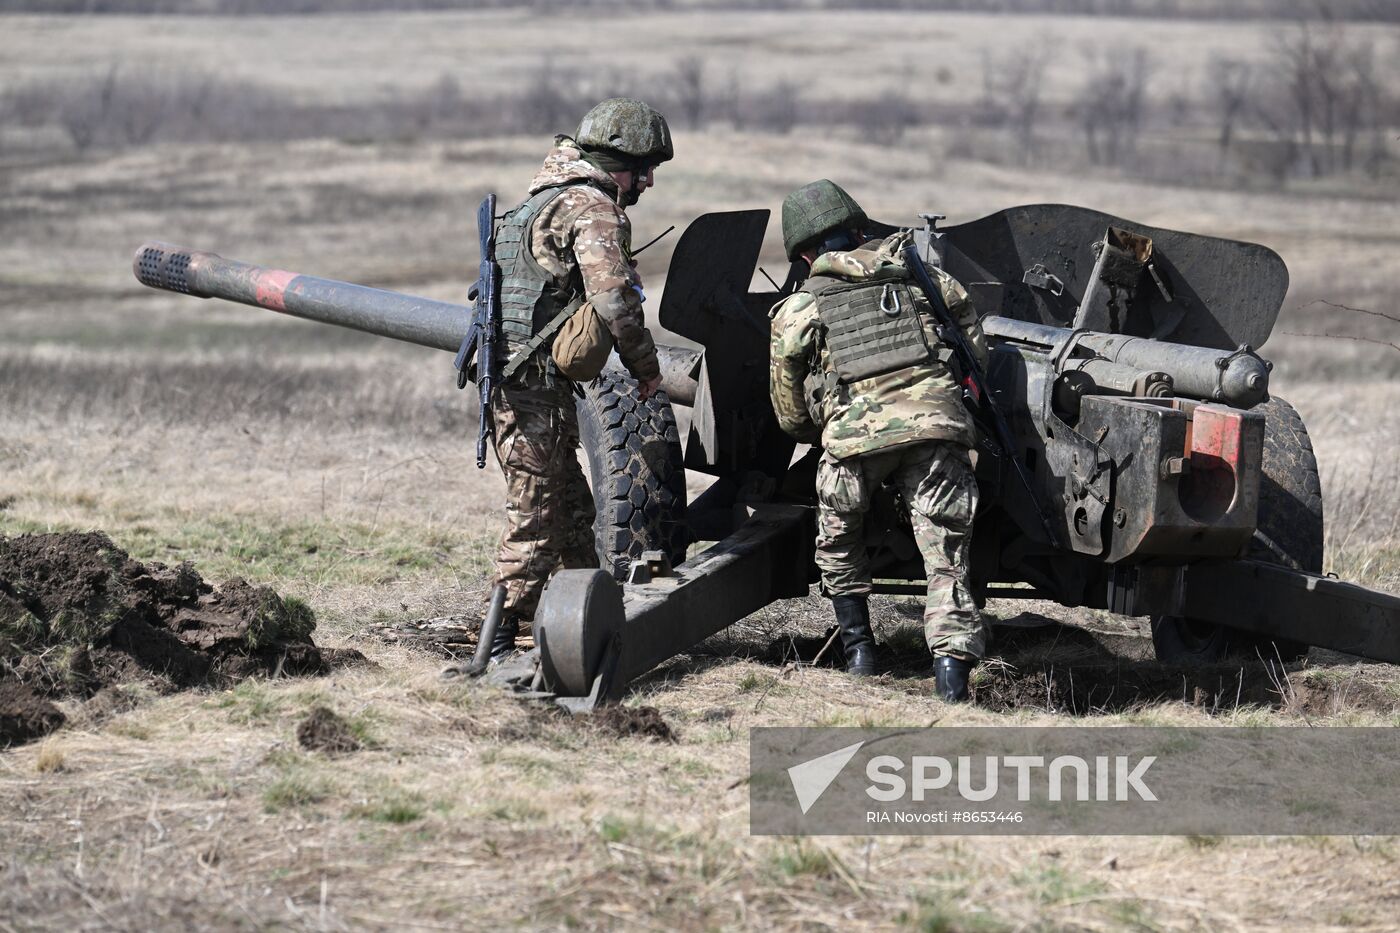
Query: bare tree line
pixel 126 106
pixel 1328 102
pixel 1316 106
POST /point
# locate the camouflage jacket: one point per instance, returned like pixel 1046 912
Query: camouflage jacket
pixel 914 404
pixel 585 229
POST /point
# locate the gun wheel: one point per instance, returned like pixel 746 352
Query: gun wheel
pixel 1289 534
pixel 637 472
pixel 579 613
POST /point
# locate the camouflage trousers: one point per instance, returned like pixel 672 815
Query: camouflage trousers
pixel 936 482
pixel 549 508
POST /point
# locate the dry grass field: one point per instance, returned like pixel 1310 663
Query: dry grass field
pixel 339 469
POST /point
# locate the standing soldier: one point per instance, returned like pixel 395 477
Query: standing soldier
pixel 855 368
pixel 567 243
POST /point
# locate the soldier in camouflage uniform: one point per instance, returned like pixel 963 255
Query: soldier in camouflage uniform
pixel 855 368
pixel 567 243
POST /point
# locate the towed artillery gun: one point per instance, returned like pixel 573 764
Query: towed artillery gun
pixel 1164 481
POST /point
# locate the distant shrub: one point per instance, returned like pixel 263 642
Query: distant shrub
pixel 124 107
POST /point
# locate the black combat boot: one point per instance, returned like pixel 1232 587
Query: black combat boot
pixel 853 618
pixel 503 645
pixel 950 678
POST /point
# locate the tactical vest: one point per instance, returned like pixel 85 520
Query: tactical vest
pixel 871 327
pixel 530 298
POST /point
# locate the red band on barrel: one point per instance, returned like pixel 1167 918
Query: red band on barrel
pixel 272 288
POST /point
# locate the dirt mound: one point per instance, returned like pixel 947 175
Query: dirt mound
pixel 627 721
pixel 25 715
pixel 324 730
pixel 1320 696
pixel 78 614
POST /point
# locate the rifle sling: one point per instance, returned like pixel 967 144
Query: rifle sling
pixel 545 334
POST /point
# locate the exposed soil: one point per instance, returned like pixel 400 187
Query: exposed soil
pixel 1328 697
pixel 25 715
pixel 1070 670
pixel 643 722
pixel 78 614
pixel 324 730
pixel 633 721
pixel 1082 689
pixel 1041 664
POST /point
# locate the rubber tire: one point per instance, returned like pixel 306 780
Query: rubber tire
pixel 1290 534
pixel 637 471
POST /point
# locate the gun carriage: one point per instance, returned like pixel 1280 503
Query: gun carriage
pixel 1147 470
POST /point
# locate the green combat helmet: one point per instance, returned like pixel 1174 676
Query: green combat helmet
pixel 815 210
pixel 629 128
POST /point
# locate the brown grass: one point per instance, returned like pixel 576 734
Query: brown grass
pixel 50 758
pixel 201 808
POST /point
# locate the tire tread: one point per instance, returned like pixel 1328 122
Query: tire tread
pixel 636 470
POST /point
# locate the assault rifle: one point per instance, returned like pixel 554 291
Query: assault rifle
pixel 979 401
pixel 486 325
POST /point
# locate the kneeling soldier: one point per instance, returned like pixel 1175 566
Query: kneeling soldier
pixel 855 368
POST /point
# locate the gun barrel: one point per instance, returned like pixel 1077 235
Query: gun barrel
pixel 1238 378
pixel 439 325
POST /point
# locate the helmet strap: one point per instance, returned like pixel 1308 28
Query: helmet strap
pixel 638 171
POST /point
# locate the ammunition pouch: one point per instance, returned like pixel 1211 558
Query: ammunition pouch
pixel 582 345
